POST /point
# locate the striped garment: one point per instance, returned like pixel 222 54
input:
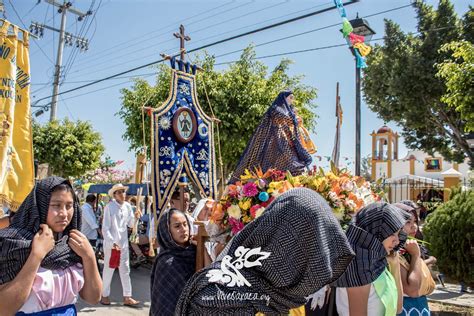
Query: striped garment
pixel 368 229
pixel 307 249
pixel 16 240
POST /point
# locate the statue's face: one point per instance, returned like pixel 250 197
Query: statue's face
pixel 290 99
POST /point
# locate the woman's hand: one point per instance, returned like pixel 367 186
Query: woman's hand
pixel 412 248
pixel 43 242
pixel 80 245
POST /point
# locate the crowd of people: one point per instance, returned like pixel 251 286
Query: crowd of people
pixel 375 267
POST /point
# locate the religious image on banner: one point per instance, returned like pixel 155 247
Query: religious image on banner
pixel 182 139
pixel 16 145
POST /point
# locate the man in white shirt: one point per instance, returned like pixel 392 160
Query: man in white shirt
pixel 118 215
pixel 89 221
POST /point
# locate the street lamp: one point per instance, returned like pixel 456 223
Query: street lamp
pixel 360 27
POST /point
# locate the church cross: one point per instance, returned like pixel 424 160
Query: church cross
pixel 182 39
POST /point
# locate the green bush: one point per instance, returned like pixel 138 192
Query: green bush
pixel 450 232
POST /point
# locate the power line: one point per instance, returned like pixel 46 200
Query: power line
pixel 206 46
pixel 223 63
pixel 261 44
pixel 140 38
pixel 229 62
pixel 126 54
pixel 25 27
pixel 278 39
pixel 200 40
pixel 74 53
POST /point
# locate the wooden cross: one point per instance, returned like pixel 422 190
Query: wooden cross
pixel 182 39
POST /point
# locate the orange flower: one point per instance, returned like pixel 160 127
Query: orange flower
pixel 217 213
pixel 336 188
pixel 233 189
pixel 286 186
pixel 359 202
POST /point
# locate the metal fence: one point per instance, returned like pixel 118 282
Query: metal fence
pixel 424 191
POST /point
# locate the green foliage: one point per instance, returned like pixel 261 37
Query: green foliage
pixel 366 168
pixel 70 148
pixel 458 73
pixel 401 85
pixel 450 232
pixel 238 96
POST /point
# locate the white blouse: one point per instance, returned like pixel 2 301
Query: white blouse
pixel 375 306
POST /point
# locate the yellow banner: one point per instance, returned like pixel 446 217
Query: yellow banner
pixel 16 147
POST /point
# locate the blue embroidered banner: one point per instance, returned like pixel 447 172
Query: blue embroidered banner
pixel 183 141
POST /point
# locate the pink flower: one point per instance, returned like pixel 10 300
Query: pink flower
pixel 250 189
pixel 236 225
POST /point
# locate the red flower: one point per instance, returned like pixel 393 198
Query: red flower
pixel 265 204
pixel 254 209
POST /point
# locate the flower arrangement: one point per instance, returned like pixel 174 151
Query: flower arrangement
pixel 247 199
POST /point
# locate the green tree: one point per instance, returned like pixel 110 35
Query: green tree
pixel 450 232
pixel 70 148
pixel 458 74
pixel 401 85
pixel 366 168
pixel 238 95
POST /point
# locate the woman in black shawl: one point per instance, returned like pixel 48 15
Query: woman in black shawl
pixel 292 250
pixel 42 245
pixel 175 263
pixel 367 284
pixel 276 142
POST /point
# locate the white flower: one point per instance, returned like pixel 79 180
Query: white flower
pixel 333 196
pixel 259 212
pixel 348 186
pixel 234 211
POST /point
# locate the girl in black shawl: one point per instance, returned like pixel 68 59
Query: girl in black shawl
pixel 367 285
pixel 42 239
pixel 175 263
pixel 292 250
pixel 276 141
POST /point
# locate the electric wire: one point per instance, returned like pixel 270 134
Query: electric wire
pixel 130 42
pixel 140 49
pixel 24 26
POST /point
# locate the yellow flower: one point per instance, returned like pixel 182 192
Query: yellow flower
pixel 247 175
pixel 245 205
pixel 234 211
pixel 274 186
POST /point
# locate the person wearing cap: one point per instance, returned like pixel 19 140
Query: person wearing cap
pixel 118 215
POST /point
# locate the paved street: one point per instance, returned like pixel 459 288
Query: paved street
pixel 141 291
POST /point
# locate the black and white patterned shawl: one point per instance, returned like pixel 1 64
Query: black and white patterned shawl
pixel 308 249
pixel 371 225
pixel 16 240
pixel 172 268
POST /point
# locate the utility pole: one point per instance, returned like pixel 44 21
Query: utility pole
pixel 64 38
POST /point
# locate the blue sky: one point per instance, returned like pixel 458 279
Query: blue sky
pixel 125 34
